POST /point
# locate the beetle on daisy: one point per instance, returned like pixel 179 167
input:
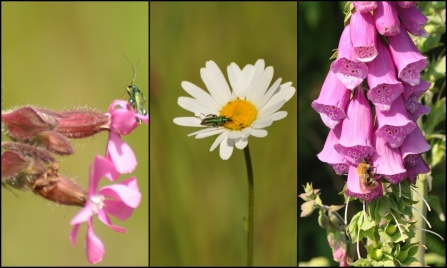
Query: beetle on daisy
pixel 237 114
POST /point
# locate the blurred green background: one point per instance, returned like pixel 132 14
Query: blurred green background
pixel 320 26
pixel 198 201
pixel 65 55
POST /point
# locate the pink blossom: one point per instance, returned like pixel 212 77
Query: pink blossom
pixel 355 139
pixel 407 59
pixel 332 101
pixel 413 20
pixel 384 87
pixel 394 125
pixel 385 18
pixel 331 156
pixel 118 200
pixel 350 71
pixel 365 6
pixel 363 36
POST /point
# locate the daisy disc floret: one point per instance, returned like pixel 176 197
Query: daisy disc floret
pixel 237 114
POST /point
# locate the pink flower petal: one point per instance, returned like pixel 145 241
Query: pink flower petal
pixel 385 18
pixel 350 71
pixel 120 154
pixel 356 130
pixel 408 60
pixel 94 247
pixel 384 87
pixel 394 125
pixel 363 36
pixel 334 97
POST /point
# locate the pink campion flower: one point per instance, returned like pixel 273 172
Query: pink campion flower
pixel 407 59
pixel 364 7
pixel 385 18
pixel 384 87
pixel 413 20
pixel 332 101
pixel 118 200
pixel 388 161
pixel 350 71
pixel 356 190
pixel 123 122
pixel 363 36
pixel 407 4
pixel 332 157
pixel 394 125
pixel 356 130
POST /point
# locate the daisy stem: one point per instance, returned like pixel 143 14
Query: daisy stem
pixel 251 205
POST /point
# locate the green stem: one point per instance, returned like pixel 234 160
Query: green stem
pixel 251 205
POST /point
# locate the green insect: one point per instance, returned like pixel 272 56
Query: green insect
pixel 213 120
pixel 136 97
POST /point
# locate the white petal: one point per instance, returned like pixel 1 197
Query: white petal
pixel 285 94
pixel 235 134
pixel 211 85
pixel 219 81
pixel 272 90
pixel 270 108
pixel 246 132
pixel 261 85
pixel 259 133
pixel 199 94
pixel 188 121
pixel 205 130
pixel 210 132
pixel 254 76
pixel 195 106
pixel 226 148
pixel 241 143
pixel 237 81
pixel 262 122
pixel 218 140
pixel 278 115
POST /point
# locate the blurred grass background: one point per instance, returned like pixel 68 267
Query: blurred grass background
pixel 64 55
pixel 197 200
pixel 320 27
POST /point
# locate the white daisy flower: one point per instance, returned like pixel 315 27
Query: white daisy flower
pixel 234 115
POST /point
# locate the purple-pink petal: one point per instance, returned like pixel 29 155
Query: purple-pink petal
pixel 331 156
pixel 354 189
pixel 407 4
pixel 104 218
pixel 94 246
pixel 384 87
pixel 120 154
pixel 422 109
pixel 363 36
pixel 332 101
pixel 356 130
pixel 85 214
pixel 365 6
pixel 420 168
pixel 413 20
pixel 407 59
pixel 350 71
pixel 388 162
pixel 414 143
pixel 394 125
pixel 385 18
pixel 124 193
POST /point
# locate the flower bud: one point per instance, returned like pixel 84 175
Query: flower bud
pixel 58 188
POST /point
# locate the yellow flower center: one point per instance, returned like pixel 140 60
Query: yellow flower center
pixel 240 114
